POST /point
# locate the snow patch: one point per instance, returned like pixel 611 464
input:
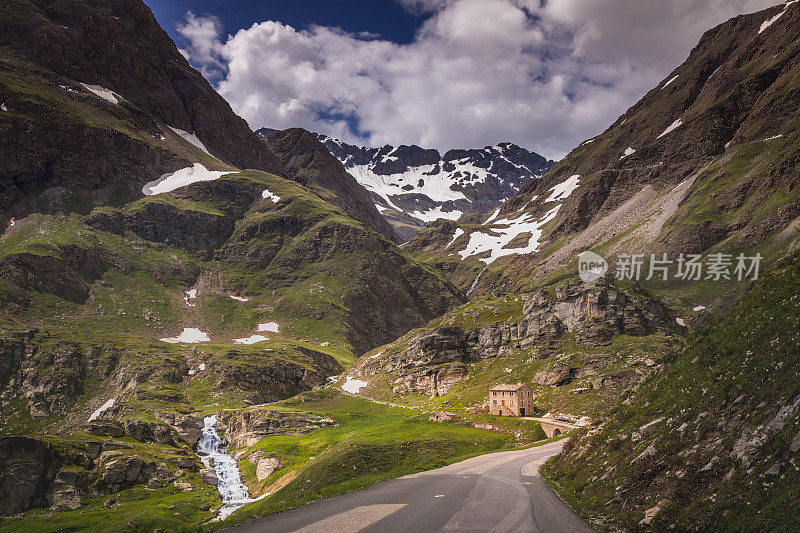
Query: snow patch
pixel 563 190
pixel 380 208
pixel 181 178
pixel 189 335
pixel 191 138
pixel 102 92
pixel 672 127
pixel 680 322
pixel 773 138
pixel 252 339
pixel 267 194
pixel 109 403
pixel 496 238
pixel 459 232
pixel 767 23
pixel 3 107
pixel 268 326
pixel 353 385
pixel 68 89
pixel 628 152
pixel 436 187
pixel 699 308
pixel 239 298
pixel 669 82
pixel 494 216
pixel 202 366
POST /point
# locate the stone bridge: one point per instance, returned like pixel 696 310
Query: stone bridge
pixel 553 428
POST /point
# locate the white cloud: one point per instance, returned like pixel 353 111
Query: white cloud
pixel 478 72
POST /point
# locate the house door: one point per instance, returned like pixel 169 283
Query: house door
pixel 521 411
pixel 501 412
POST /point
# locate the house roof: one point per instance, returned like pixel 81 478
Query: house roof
pixel 507 387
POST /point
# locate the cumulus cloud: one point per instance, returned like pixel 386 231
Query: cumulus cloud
pixel 545 75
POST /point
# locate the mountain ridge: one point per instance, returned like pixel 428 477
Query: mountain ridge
pixel 413 186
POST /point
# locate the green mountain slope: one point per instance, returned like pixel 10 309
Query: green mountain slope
pixel 711 443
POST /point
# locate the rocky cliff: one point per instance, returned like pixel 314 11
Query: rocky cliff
pixel 552 320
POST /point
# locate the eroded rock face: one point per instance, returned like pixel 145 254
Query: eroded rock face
pixel 27 468
pixel 244 428
pixel 434 360
pixel 596 312
pixel 188 428
pixel 431 381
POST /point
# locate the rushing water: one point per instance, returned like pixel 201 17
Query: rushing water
pixel 475 283
pixel 211 449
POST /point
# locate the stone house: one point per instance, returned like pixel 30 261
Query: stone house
pixel 511 400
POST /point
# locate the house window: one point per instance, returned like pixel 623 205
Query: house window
pixel 495 402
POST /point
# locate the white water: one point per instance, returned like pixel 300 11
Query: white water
pixel 475 283
pixel 211 447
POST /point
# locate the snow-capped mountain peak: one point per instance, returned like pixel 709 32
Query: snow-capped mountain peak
pixel 412 186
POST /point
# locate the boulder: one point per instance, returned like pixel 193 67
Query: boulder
pixel 209 476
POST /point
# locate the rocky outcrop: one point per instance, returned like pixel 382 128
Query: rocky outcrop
pixel 265 466
pixel 188 428
pixel 596 312
pixel 27 469
pixel 431 381
pixel 189 229
pixel 66 273
pixel 117 473
pixel 244 428
pixel 432 361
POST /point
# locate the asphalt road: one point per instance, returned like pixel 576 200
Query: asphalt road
pixel 497 492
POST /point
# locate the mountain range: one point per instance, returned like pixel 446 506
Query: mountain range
pixel 167 272
pixel 412 186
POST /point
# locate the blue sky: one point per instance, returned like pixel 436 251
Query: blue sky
pixel 385 17
pixel 544 74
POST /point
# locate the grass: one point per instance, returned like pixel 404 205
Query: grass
pixel 369 444
pixel 732 380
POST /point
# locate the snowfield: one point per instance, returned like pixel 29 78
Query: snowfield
pixel 562 191
pixel 437 213
pixel 109 403
pixel 268 326
pixel 189 336
pixel 191 138
pixel 502 232
pixel 267 194
pixel 102 92
pixel 672 127
pixel 252 339
pixel 181 178
pixel 353 385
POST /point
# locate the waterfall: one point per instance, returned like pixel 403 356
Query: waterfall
pixel 211 449
pixel 477 279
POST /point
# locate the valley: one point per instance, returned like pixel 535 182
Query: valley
pixel 204 326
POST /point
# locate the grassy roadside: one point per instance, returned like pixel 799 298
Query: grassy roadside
pixel 369 444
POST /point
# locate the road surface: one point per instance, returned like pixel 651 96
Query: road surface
pixel 497 492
